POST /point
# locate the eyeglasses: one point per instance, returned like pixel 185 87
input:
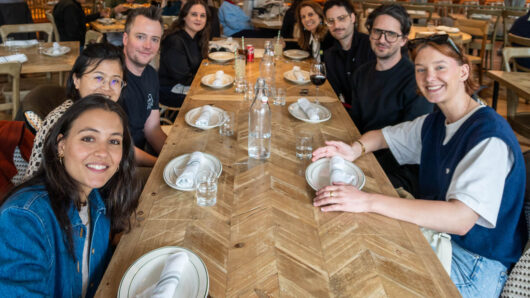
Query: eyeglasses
pixel 99 81
pixel 390 36
pixel 436 38
pixel 339 19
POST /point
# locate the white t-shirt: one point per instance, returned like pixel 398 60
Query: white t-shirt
pixel 84 214
pixel 478 179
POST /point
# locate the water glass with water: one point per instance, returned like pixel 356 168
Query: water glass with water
pixel 249 93
pixel 206 188
pixel 227 128
pixel 279 97
pixel 41 47
pixel 304 145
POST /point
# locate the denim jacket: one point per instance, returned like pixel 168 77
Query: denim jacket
pixel 34 256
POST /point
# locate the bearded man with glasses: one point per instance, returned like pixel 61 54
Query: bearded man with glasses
pixel 384 91
pixel 350 50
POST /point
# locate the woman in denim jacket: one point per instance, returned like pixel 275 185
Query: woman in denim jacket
pixel 56 228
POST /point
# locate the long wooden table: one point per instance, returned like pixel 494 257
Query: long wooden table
pixel 263 237
pixel 117 26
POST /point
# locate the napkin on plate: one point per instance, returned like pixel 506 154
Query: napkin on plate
pixel 337 169
pixel 227 44
pixel 204 117
pixel 21 43
pixel 309 110
pixel 298 74
pixel 187 178
pixel 218 78
pixel 14 58
pixel 169 278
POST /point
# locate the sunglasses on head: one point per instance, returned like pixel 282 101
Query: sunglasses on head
pixel 436 38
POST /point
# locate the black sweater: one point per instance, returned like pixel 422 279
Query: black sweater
pixel 71 20
pixel 382 98
pixel 180 59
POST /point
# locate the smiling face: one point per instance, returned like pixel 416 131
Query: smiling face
pixel 439 77
pixel 92 149
pixel 310 19
pixel 141 43
pixel 105 79
pixel 342 23
pixel 382 48
pixel 195 20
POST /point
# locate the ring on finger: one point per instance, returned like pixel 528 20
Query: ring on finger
pixel 331 194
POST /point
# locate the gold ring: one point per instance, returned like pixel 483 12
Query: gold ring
pixel 331 194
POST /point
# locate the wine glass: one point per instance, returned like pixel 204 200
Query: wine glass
pixel 317 74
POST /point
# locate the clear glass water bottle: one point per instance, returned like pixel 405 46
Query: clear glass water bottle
pixel 267 65
pixel 259 124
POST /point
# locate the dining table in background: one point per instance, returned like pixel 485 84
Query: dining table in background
pixel 466 38
pixel 264 238
pixel 40 63
pixel 273 23
pixel 117 26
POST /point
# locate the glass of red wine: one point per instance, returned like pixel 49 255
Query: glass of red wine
pixel 317 74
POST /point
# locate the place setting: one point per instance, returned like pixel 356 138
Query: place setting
pixel 221 56
pixel 297 76
pixel 327 171
pixel 205 117
pixel 183 172
pixel 106 21
pixel 56 50
pixel 296 54
pixel 169 271
pixel 217 80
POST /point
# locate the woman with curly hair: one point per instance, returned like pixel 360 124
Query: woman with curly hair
pixel 310 31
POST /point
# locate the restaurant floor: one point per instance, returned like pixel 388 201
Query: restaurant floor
pixel 486 94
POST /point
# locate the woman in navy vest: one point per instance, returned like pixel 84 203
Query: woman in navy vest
pixel 472 173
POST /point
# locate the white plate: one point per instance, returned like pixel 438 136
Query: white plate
pixel 289 76
pixel 62 50
pixel 210 162
pixel 221 56
pixel 208 80
pixel 448 29
pixel 296 54
pixel 146 271
pixel 106 21
pixel 317 174
pixel 216 118
pixel 297 112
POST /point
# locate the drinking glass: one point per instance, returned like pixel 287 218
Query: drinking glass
pixel 41 47
pixel 8 43
pixel 206 188
pixel 279 97
pixel 317 74
pixel 304 145
pixel 227 128
pixel 249 93
pixel 239 67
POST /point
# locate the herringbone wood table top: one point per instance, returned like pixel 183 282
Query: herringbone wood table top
pixel 264 238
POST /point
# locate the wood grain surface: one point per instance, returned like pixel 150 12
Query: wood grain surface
pixel 117 26
pixel 264 238
pixel 39 63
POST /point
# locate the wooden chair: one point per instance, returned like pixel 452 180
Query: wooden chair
pixel 476 28
pixel 514 41
pixel 368 7
pixel 92 36
pixel 508 17
pixel 12 103
pixel 50 18
pixel 47 28
pixel 428 9
pixel 493 28
pixel 361 24
pixel 520 122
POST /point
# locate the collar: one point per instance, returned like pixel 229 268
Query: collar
pixel 96 207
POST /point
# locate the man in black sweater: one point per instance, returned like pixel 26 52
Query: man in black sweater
pixel 350 50
pixel 385 91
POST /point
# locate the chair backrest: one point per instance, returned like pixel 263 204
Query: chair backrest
pixel 38 103
pixel 476 28
pixel 50 18
pixel 168 20
pixel 511 52
pixel 5 30
pixel 517 41
pixel 92 36
pixel 12 69
pixel 496 16
pixel 428 9
pixel 508 17
pixel 361 24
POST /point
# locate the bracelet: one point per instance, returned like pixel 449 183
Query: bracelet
pixel 363 149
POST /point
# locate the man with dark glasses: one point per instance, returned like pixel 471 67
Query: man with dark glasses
pixel 350 50
pixel 384 91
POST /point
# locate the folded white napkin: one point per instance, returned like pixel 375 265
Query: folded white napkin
pixel 230 45
pixel 187 178
pixel 204 117
pixel 21 43
pixel 337 167
pixel 218 78
pixel 169 279
pixel 307 107
pixel 14 58
pixel 298 74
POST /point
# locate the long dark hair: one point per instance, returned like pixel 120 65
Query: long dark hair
pixel 120 194
pixel 204 34
pixel 304 35
pixel 92 56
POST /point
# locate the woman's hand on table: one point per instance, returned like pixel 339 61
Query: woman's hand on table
pixel 335 148
pixel 342 197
